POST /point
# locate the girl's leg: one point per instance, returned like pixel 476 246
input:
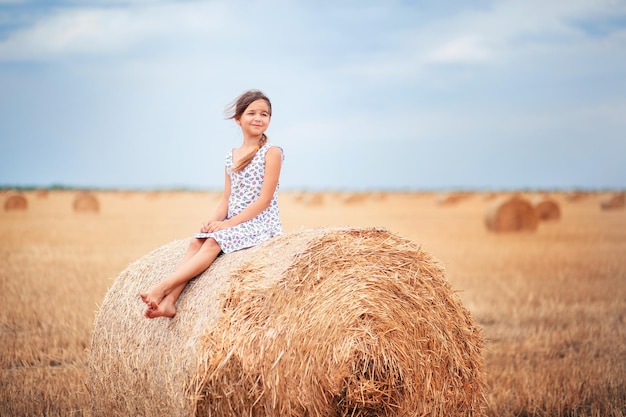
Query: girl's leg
pixel 194 247
pixel 167 291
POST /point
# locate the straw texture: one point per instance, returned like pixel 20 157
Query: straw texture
pixel 324 322
pixel 511 214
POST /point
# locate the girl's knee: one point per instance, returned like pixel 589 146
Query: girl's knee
pixel 211 244
pixel 195 244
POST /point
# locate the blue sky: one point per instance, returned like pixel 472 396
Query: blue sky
pixel 470 94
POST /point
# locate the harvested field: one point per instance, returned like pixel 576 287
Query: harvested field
pixel 551 303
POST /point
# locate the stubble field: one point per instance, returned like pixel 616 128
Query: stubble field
pixel 552 302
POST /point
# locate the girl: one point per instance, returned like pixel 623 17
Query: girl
pixel 248 212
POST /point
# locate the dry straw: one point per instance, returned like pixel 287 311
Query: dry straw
pixel 15 201
pixel 547 209
pixel 511 214
pixel 86 202
pixel 324 322
pixel 612 201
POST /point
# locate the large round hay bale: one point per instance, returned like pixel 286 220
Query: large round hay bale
pixel 613 201
pixel 86 202
pixel 325 322
pixel 511 214
pixel 547 209
pixel 15 201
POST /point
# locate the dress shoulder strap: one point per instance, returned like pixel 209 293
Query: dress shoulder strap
pixel 267 147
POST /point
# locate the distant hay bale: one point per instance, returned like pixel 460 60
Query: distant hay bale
pixel 612 201
pixel 511 214
pixel 42 193
pixel 449 199
pixel 546 208
pixel 378 196
pixel 15 201
pixel 488 196
pixel 312 199
pixel 86 202
pixel 324 322
pixel 352 198
pixel 574 196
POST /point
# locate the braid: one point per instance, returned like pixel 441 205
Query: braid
pixel 236 109
pixel 245 161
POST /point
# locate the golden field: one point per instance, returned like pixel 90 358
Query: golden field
pixel 552 302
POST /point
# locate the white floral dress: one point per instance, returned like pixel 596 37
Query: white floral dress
pixel 245 189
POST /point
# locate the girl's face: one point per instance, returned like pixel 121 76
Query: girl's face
pixel 255 119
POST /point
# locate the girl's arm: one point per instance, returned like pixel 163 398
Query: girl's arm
pixel 221 211
pixel 273 163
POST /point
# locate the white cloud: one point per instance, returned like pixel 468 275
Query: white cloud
pixel 466 49
pixel 508 33
pixel 97 31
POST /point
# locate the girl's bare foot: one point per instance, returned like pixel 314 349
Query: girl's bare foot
pixel 164 309
pixel 153 297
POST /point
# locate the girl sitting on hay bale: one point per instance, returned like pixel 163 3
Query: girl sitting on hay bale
pixel 246 215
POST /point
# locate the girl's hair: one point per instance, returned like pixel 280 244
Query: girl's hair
pixel 234 111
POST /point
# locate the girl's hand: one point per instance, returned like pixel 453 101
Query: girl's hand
pixel 214 226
